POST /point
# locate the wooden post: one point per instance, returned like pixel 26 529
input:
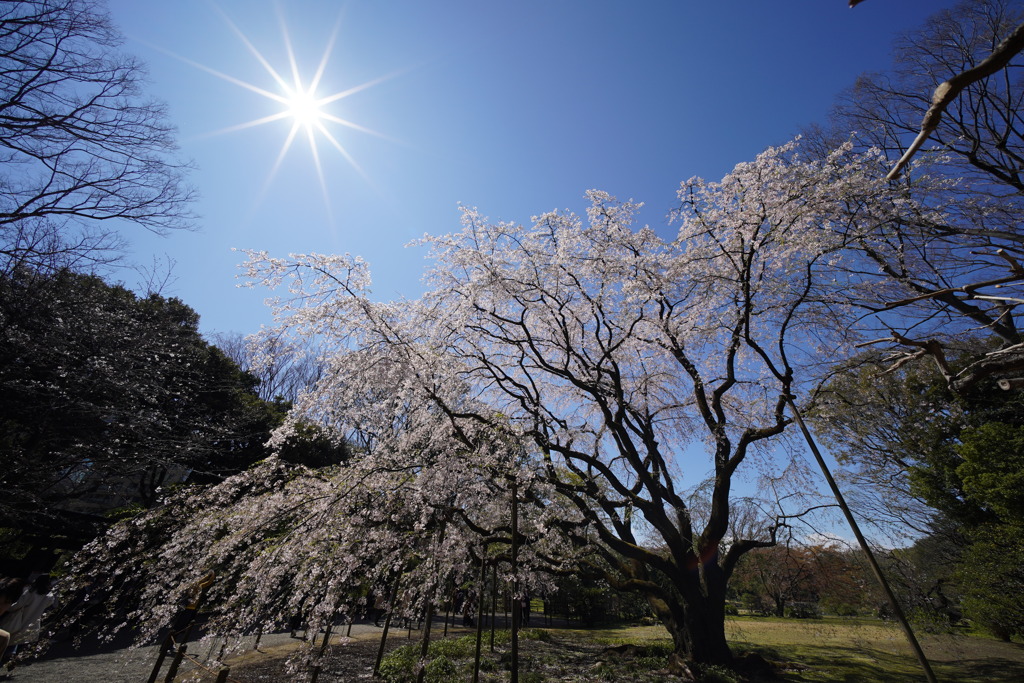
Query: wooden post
pixel 494 601
pixel 515 582
pixel 425 645
pixel 479 617
pixel 448 608
pixel 876 570
pixel 165 647
pixel 429 608
pixel 176 663
pixel 387 624
pixel 315 673
pixel 222 675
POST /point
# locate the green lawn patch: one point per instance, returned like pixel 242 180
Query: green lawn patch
pixel 839 649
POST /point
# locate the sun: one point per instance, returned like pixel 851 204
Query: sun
pixel 304 108
pixel 308 111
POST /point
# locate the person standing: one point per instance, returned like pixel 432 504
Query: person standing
pixel 10 592
pixel 22 620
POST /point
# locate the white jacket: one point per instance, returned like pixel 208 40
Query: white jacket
pixel 22 619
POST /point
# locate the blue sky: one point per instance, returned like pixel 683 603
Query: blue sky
pixel 514 107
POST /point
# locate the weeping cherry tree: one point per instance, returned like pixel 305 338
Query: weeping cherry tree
pixel 635 375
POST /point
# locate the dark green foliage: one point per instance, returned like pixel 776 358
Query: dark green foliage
pixel 106 398
pixel 991 577
pixel 593 601
pixel 992 468
pixel 962 455
pixel 399 665
pixel 923 577
pixel 311 446
pixel 972 468
pixel 803 610
pixel 978 483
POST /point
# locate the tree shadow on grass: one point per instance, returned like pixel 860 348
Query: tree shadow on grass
pixel 982 670
pixel 864 665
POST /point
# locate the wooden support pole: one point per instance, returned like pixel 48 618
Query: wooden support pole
pixel 315 673
pixel 447 613
pixel 479 617
pixel 876 570
pixel 387 624
pixel 425 644
pixel 165 647
pixel 176 663
pixel 494 601
pixel 515 581
pixel 429 608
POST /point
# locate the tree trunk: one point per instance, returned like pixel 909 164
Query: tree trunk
pixel 696 622
pixel 698 632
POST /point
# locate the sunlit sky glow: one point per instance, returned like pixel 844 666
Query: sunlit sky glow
pixel 359 132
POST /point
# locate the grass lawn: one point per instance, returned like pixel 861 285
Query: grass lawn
pixel 826 650
pixel 853 650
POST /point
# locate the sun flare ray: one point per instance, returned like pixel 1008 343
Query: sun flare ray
pixel 250 124
pixel 281 82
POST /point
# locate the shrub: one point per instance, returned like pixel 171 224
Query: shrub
pixel 754 604
pixel 540 634
pixel 803 610
pixel 454 648
pixel 842 609
pixel 398 666
pixel 441 670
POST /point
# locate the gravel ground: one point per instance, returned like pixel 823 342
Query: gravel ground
pixel 349 658
pixel 119 663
